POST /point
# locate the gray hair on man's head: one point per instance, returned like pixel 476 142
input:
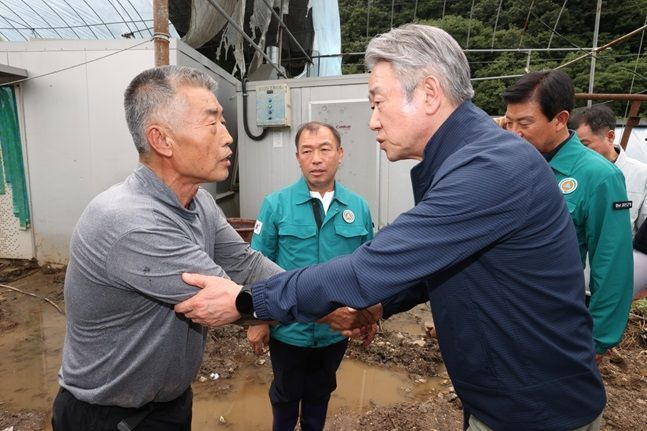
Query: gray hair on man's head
pixel 416 50
pixel 150 97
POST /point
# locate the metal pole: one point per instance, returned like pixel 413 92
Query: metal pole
pixel 633 76
pixel 596 30
pixel 249 40
pixel 160 32
pixel 632 121
pixel 550 39
pixel 603 47
pixel 280 34
pixel 469 25
pixel 496 22
pixel 612 96
pixel 368 15
pixel 282 24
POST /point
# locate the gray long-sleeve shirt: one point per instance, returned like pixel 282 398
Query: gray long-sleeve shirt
pixel 125 346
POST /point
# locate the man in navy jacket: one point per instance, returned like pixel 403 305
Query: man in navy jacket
pixel 490 243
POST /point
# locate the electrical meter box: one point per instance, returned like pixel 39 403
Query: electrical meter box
pixel 273 106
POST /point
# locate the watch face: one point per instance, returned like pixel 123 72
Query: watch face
pixel 244 302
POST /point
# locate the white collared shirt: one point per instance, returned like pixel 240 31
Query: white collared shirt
pixel 326 200
pixel 635 173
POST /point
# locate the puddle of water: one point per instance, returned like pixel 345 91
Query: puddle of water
pixel 360 387
pixel 411 322
pixel 30 356
pixel 245 407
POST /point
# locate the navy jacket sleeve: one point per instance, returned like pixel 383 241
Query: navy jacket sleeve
pixel 405 300
pixel 470 205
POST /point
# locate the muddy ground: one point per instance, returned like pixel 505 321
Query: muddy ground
pixel 624 371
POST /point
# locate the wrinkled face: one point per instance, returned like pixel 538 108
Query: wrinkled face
pixel 200 140
pixel 602 143
pixel 396 120
pixel 319 155
pixel 528 121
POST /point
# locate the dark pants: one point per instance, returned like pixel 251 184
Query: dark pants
pixel 71 414
pixel 303 377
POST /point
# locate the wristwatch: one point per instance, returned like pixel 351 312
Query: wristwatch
pixel 244 302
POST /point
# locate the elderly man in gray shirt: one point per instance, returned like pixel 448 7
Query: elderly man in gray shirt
pixel 128 358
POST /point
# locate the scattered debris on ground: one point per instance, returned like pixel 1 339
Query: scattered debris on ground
pixel 624 370
pixel 22 420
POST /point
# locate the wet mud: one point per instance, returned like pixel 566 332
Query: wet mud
pixel 397 383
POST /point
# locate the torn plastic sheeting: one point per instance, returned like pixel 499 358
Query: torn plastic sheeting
pixel 260 20
pixel 206 21
pixel 232 38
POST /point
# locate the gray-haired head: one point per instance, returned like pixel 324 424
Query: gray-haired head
pixel 150 97
pixel 415 51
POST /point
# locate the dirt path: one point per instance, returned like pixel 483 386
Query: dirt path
pixel 401 345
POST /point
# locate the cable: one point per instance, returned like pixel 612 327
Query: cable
pixel 496 21
pixel 640 47
pixel 18 81
pixel 245 125
pixel 550 39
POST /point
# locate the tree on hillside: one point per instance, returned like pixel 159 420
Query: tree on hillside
pixel 517 24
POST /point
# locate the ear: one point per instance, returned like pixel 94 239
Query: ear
pixel 433 94
pixel 562 120
pixel 611 136
pixel 159 141
pixel 341 153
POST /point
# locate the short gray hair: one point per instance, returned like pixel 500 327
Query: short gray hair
pixel 151 95
pixel 416 50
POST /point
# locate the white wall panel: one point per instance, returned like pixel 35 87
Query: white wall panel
pixel 270 164
pixel 76 139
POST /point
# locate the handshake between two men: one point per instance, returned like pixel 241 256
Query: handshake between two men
pixel 215 305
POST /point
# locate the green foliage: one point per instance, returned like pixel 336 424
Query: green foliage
pixel 520 24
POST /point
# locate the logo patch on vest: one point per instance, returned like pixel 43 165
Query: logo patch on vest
pixel 568 185
pixel 348 216
pixel 257 227
pixel 622 205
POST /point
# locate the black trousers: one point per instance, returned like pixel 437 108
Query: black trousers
pixel 305 376
pixel 71 414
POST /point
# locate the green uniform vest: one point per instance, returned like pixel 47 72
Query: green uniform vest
pixel 286 232
pixel 594 190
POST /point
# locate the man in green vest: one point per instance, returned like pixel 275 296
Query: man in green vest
pixel 311 221
pixel 538 108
